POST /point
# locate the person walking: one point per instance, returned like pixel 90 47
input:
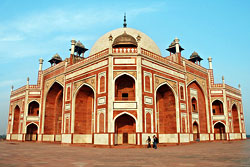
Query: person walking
pixel 149 142
pixel 155 142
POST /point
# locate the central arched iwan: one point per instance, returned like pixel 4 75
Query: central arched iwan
pixel 53 110
pixel 165 103
pixel 84 107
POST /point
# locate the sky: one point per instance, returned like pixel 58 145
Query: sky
pixel 30 30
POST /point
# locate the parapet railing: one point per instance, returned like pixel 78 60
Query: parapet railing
pixel 90 58
pixel 124 50
pixel 161 59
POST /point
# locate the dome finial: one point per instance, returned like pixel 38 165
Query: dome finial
pixel 124 24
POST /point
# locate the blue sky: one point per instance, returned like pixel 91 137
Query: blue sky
pixel 30 30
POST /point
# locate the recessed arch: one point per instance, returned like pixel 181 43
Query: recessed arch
pixel 197 92
pixel 219 131
pixel 16 120
pixel 235 118
pixel 84 109
pixel 31 132
pixel 53 109
pixel 196 131
pixel 217 107
pixel 125 87
pixel 74 107
pixel 125 129
pixel 166 107
pixel 33 108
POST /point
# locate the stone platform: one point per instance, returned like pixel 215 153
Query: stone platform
pixel 29 154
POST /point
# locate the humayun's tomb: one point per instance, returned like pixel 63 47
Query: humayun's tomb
pixel 123 92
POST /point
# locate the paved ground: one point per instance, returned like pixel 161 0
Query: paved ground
pixel 236 153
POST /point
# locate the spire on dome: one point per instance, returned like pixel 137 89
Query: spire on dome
pixel 124 24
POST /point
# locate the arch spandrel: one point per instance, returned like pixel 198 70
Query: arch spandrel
pixel 217 98
pixel 91 81
pixel 49 83
pixel 158 81
pixel 201 81
pixel 34 99
pixel 117 73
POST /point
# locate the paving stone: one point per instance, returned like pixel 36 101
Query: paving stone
pixel 31 154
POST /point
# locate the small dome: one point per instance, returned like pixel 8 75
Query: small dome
pixel 79 44
pixel 194 55
pixel 57 57
pixel 124 40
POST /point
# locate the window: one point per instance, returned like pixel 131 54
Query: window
pixel 124 96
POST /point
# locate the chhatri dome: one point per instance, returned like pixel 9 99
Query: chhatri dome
pixel 143 41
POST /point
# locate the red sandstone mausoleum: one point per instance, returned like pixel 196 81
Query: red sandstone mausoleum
pixel 123 92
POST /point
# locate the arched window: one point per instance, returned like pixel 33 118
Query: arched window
pixel 194 105
pixel 217 107
pixel 125 88
pixel 33 109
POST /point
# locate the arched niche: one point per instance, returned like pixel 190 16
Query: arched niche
pixel 84 108
pixel 125 88
pixel 125 129
pixel 217 107
pixel 166 107
pixel 53 110
pixel 33 109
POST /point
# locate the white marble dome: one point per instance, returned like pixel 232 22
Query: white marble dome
pixel 145 42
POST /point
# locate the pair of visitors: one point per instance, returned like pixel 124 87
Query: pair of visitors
pixel 155 142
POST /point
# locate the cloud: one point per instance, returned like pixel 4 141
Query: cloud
pixel 39 33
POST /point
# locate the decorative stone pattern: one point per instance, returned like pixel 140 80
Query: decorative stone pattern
pixel 159 80
pixel 202 82
pixel 116 73
pixel 90 81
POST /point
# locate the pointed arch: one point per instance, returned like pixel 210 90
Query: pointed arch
pixel 16 120
pixel 125 87
pixel 73 117
pixel 195 90
pixel 31 132
pixel 53 109
pixel 125 129
pixel 235 118
pixel 165 104
pixel 217 107
pixel 196 131
pixel 33 108
pixel 219 131
pixel 84 107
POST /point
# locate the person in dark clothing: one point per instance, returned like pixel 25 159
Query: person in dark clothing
pixel 155 142
pixel 149 142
